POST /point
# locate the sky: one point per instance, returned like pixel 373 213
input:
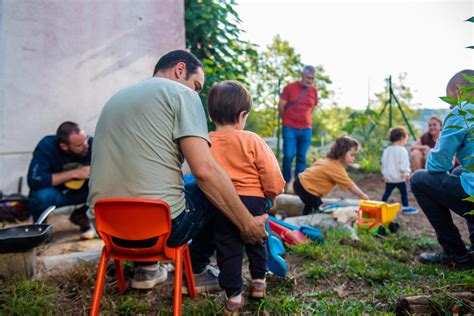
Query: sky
pixel 360 43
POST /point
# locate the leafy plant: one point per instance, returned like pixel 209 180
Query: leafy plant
pixel 213 35
pixel 466 96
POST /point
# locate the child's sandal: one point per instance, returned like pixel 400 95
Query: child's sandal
pixel 233 308
pixel 257 289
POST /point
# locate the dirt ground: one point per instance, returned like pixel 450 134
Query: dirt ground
pixel 66 239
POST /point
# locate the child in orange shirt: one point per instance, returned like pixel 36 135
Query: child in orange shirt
pixel 326 173
pixel 254 171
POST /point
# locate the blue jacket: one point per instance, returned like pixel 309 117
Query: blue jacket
pixel 454 141
pixel 49 158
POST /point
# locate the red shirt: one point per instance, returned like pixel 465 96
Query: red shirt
pixel 299 115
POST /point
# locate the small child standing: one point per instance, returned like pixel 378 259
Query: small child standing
pixel 254 171
pixel 326 173
pixel 396 167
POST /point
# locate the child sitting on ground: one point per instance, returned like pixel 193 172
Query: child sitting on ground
pixel 254 171
pixel 396 167
pixel 326 173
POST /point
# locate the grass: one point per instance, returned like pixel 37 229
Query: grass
pixel 337 277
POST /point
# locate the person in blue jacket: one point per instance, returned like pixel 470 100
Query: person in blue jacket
pixel 438 191
pixel 58 174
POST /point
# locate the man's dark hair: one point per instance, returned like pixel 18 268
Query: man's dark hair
pixel 65 130
pixel 226 100
pixel 397 133
pixel 341 146
pixel 174 57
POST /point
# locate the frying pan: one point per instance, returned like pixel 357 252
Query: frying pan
pixel 25 237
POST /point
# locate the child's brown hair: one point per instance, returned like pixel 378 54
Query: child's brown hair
pixel 341 146
pixel 397 133
pixel 226 100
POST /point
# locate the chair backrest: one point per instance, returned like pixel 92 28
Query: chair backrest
pixel 133 219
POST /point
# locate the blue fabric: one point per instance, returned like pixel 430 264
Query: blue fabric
pixel 451 142
pixel 49 158
pixel 196 223
pixel 296 142
pixel 44 198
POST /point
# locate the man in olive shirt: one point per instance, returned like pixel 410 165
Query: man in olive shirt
pixel 143 135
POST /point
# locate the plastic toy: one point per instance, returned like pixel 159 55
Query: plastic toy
pixel 377 217
pixel 312 233
pixel 275 250
pixel 289 236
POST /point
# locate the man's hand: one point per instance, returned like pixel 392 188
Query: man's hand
pixel 254 232
pixel 82 173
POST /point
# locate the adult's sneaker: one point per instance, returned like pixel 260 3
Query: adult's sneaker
pixel 465 261
pixel 205 282
pixel 146 277
pixel 408 210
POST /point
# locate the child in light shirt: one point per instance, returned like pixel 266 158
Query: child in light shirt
pixel 254 171
pixel 396 168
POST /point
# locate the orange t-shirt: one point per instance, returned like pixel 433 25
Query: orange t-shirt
pixel 249 162
pixel 323 176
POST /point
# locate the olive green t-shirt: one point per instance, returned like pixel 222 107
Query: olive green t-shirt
pixel 136 149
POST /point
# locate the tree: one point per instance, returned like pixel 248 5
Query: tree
pixel 213 35
pixel 274 67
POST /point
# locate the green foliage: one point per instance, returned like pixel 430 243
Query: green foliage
pixel 26 297
pixel 132 306
pixel 274 67
pixel 213 35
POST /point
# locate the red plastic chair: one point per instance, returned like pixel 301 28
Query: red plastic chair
pixel 138 219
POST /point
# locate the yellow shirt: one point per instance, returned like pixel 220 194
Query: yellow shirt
pixel 323 176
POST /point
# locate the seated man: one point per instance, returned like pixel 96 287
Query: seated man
pixel 437 191
pixel 143 135
pixel 58 174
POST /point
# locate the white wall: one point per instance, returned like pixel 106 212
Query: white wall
pixel 62 59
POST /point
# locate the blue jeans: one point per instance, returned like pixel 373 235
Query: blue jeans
pixel 437 194
pixel 296 142
pixel 196 223
pixel 44 198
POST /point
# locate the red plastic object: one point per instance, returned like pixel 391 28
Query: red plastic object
pixel 138 219
pixel 292 237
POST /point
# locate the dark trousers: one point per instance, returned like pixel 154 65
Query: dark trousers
pixel 230 249
pixel 401 186
pixel 311 202
pixel 41 199
pixel 437 194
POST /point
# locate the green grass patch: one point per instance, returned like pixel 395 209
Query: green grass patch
pixel 26 297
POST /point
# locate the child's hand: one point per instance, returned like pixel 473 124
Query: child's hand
pixel 407 178
pixel 364 196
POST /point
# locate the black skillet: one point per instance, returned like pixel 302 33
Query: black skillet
pixel 25 237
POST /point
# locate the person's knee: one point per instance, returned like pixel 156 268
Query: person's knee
pixel 46 197
pixel 418 179
pixel 416 154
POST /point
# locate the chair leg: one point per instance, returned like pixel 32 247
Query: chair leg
pixel 120 276
pixel 189 273
pixel 178 282
pixel 99 284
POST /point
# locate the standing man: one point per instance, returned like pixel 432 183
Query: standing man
pixel 143 135
pixel 296 105
pixel 437 191
pixel 59 172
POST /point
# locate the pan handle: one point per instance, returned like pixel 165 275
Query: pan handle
pixel 45 214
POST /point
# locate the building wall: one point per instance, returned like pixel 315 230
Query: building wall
pixel 63 59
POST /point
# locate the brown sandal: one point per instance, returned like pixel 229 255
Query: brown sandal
pixel 257 289
pixel 232 308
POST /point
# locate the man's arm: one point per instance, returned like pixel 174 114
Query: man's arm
pixel 217 186
pixel 81 173
pixel 281 107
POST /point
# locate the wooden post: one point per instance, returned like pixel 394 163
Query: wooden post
pixel 17 264
pixel 421 304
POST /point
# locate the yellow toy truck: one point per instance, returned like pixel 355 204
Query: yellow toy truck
pixel 377 217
